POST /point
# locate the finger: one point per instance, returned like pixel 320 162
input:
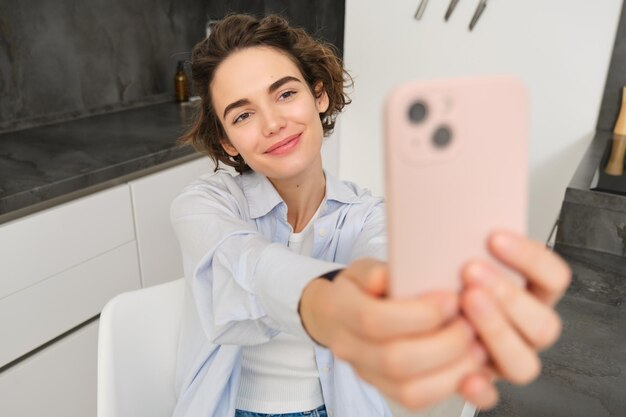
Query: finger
pixel 539 324
pixel 369 274
pixel 430 388
pixel 407 357
pixel 548 275
pixel 492 374
pixel 512 356
pixel 479 390
pixel 381 319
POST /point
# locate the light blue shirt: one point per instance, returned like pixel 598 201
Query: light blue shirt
pixel 244 285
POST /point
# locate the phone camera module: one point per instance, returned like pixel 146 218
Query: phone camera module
pixel 417 112
pixel 442 137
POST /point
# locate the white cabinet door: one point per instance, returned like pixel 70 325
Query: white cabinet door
pixel 159 254
pixel 59 380
pixel 36 247
pixel 39 313
pixel 60 266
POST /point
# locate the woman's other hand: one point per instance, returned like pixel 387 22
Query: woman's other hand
pixel 416 351
pixel 513 322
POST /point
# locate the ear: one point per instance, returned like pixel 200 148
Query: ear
pixel 321 97
pixel 230 149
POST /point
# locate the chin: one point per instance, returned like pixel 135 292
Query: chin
pixel 287 170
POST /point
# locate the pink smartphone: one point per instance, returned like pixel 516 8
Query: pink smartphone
pixel 456 169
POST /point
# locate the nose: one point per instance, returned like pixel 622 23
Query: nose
pixel 273 121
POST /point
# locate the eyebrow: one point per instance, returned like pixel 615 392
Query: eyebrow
pixel 273 87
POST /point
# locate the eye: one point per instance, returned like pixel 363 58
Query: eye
pixel 287 94
pixel 241 117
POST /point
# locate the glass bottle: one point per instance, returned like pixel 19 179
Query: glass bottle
pixel 181 84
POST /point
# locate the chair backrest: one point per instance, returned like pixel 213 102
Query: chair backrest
pixel 137 343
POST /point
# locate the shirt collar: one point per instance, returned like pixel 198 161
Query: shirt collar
pixel 262 196
pixel 339 191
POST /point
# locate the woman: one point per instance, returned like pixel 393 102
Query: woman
pixel 286 313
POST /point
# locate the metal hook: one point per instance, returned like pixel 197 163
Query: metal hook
pixel 451 8
pixel 420 9
pixel 479 11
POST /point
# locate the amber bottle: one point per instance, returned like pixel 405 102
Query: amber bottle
pixel 181 84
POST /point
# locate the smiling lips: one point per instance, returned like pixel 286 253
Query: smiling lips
pixel 284 146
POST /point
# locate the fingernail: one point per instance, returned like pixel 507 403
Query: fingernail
pixel 478 274
pixel 504 242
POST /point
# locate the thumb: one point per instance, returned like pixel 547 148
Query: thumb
pixel 370 275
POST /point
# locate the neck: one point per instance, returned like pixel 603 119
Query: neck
pixel 302 195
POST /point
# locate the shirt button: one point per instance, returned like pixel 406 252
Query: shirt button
pixel 323 232
pixel 326 369
pixel 330 412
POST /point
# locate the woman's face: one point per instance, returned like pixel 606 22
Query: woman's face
pixel 268 112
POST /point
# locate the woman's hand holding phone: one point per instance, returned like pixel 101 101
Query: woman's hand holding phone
pixel 513 323
pixel 421 350
pixel 415 351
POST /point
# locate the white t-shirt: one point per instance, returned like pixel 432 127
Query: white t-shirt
pixel 281 376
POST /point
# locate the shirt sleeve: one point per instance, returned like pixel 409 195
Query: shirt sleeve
pixel 246 289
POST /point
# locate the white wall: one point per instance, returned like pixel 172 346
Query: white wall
pixel 559 48
pixel 330 151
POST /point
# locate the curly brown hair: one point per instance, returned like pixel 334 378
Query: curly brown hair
pixel 316 60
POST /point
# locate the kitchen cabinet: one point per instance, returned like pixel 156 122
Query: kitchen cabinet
pixel 40 313
pixel 36 247
pixel 59 268
pixel 57 381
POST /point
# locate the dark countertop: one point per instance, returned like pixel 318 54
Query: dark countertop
pixel 47 165
pixel 584 374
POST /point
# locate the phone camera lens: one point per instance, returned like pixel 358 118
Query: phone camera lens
pixel 442 137
pixel 418 112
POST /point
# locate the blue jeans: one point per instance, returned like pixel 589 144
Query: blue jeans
pixel 318 412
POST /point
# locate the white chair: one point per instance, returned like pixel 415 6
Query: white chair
pixel 137 344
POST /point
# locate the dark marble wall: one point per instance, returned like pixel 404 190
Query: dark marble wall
pixel 63 59
pixel 616 79
pixel 322 18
